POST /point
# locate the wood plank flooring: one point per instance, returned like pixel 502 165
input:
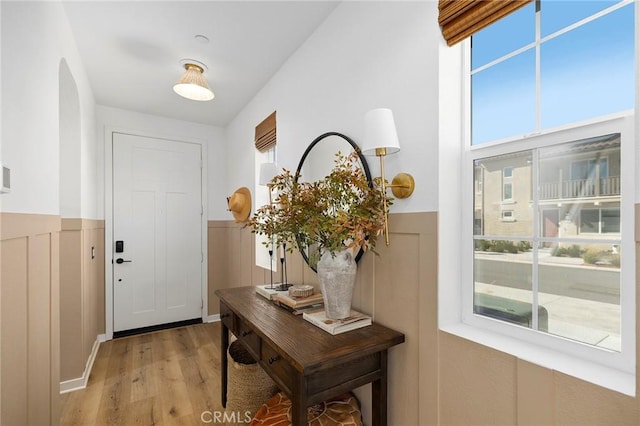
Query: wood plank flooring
pixel 167 377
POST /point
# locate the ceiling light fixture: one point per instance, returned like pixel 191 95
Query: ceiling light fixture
pixel 193 85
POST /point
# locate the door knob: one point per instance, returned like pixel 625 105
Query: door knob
pixel 121 260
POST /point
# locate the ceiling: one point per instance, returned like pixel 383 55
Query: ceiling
pixel 132 50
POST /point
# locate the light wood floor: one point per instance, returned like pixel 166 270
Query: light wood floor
pixel 162 378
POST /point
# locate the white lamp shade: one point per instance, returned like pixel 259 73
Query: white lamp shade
pixel 193 85
pixel 379 132
pixel 267 172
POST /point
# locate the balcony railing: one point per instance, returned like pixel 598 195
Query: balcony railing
pixel 580 188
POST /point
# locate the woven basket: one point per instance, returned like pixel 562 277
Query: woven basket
pixel 248 386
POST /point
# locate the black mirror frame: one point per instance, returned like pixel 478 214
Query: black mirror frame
pixel 365 167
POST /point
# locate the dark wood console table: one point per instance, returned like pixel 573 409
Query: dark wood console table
pixel 307 363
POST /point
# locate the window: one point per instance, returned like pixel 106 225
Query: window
pixel 507 216
pixel 551 132
pixel 590 221
pixel 600 221
pixel 507 191
pixel 529 70
pixel 507 184
pixel 261 197
pixel 589 169
pixel 545 278
pixel 265 140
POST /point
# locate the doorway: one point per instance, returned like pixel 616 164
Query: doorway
pixel 550 224
pixel 157 251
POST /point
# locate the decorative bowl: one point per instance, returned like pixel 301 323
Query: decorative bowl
pixel 301 290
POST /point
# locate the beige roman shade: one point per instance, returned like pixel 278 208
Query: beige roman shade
pixel 460 19
pixel 266 133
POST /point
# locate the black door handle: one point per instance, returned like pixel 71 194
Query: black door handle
pixel 121 260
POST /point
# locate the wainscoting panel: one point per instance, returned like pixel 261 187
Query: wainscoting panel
pixel 217 262
pixel 14 330
pixel 82 293
pixel 30 344
pixel 404 295
pixel 71 325
pixel 231 262
pixel 482 379
pixel 535 395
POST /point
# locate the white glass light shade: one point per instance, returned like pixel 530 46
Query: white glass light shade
pixel 193 85
pixel 379 132
pixel 267 172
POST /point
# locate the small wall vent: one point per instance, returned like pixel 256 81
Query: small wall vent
pixel 6 180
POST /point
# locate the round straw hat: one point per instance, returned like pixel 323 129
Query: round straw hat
pixel 240 204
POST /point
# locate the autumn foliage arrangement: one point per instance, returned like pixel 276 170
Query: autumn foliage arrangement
pixel 341 211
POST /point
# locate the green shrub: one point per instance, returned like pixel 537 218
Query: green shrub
pixel 524 246
pixel 482 245
pixel 573 251
pixel 591 256
pixel 496 246
pixel 499 246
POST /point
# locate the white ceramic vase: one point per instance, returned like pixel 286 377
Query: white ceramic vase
pixel 337 275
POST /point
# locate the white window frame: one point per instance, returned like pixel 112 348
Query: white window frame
pixel 622 362
pixel 615 371
pixel 261 197
pixel 479 182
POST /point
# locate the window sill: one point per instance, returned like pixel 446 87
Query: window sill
pixel 592 372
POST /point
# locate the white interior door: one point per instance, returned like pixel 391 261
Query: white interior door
pixel 157 208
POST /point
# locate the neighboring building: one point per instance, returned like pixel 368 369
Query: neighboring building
pixel 578 193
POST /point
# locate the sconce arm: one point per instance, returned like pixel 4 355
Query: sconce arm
pixel 402 185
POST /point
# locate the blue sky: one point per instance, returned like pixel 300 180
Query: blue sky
pixel 584 73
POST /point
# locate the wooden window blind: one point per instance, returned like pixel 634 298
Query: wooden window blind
pixel 460 19
pixel 266 133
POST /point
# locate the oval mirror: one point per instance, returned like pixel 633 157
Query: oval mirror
pixel 316 163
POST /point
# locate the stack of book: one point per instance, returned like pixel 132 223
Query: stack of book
pixel 299 305
pixel 270 292
pixel 353 321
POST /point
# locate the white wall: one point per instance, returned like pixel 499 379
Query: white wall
pixel 69 124
pixel 35 37
pixel 1 99
pixel 365 55
pixel 161 127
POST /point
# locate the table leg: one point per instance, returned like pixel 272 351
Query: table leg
pixel 224 345
pixel 379 394
pixel 299 403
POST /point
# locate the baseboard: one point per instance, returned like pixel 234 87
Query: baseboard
pixel 81 382
pixel 212 318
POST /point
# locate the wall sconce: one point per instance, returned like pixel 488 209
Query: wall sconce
pixel 380 139
pixel 192 85
pixel 267 172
